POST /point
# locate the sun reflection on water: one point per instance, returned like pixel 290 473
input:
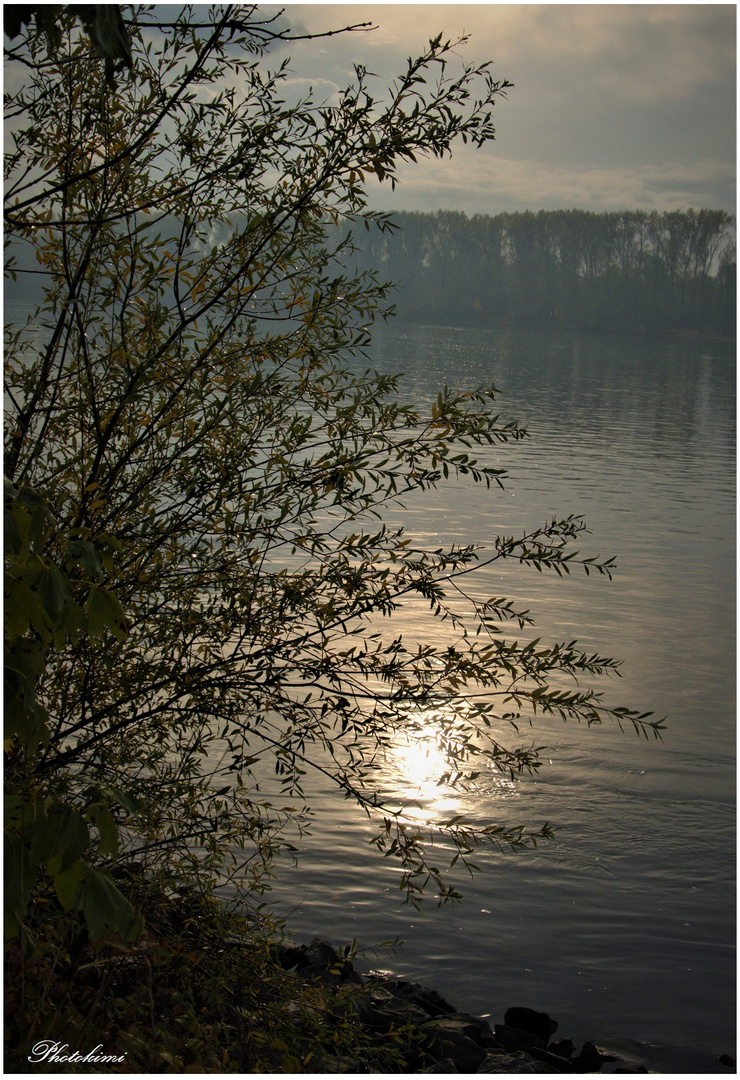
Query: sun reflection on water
pixel 422 774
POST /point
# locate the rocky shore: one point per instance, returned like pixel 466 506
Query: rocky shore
pixel 440 1039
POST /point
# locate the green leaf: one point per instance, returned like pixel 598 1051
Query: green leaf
pixel 14 809
pixel 18 878
pixel 68 884
pixel 84 553
pixel 23 715
pixel 23 610
pixel 61 835
pixel 27 659
pixel 129 802
pixel 103 610
pixel 53 590
pixel 16 527
pixel 106 909
pixel 103 820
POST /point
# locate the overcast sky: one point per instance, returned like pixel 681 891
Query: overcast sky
pixel 613 107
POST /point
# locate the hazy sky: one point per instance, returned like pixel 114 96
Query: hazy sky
pixel 614 106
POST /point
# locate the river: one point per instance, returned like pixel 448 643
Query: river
pixel 624 925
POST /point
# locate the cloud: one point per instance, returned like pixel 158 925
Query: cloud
pixel 613 105
pixel 645 51
pixel 320 89
pixel 482 183
pixel 642 52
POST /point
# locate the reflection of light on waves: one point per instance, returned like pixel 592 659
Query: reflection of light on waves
pixel 418 762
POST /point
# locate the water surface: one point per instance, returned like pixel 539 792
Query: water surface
pixel 624 924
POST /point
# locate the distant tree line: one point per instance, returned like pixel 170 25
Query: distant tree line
pixel 624 271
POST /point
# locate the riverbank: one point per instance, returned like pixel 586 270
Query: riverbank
pixel 204 990
pixel 446 1040
pixel 441 1039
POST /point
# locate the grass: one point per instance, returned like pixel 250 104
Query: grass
pixel 203 990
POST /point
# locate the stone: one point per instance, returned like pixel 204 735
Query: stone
pixel 455 1025
pixel 446 1065
pixel 536 1023
pixel 447 1037
pixel 384 1015
pixel 513 1039
pixel 589 1059
pixel 320 960
pixel 475 1027
pixel 432 1002
pixel 624 1052
pixel 558 1063
pixel 318 953
pixel 289 954
pixel 379 995
pixel 565 1048
pixel 519 1062
pixel 437 1039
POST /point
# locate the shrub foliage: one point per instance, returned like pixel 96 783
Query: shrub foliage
pixel 200 586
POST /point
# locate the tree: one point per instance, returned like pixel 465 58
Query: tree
pixel 199 460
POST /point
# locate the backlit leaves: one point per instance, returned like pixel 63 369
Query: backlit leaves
pixel 201 581
pixel 104 611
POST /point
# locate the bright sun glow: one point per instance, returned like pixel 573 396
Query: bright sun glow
pixel 418 763
pixel 421 762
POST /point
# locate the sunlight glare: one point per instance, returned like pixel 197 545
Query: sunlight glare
pixel 417 764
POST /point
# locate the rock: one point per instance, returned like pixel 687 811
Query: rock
pixel 558 1063
pixel 319 959
pixel 429 1000
pixel 589 1059
pixel 519 1062
pixel 289 954
pixel 536 1023
pixel 318 953
pixel 459 1024
pixel 379 995
pixel 384 1015
pixel 475 1027
pixel 623 1051
pixel 448 1037
pixel 565 1048
pixel 429 1026
pixel 446 1065
pixel 513 1039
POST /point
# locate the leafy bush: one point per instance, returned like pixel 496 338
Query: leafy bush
pixel 199 462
